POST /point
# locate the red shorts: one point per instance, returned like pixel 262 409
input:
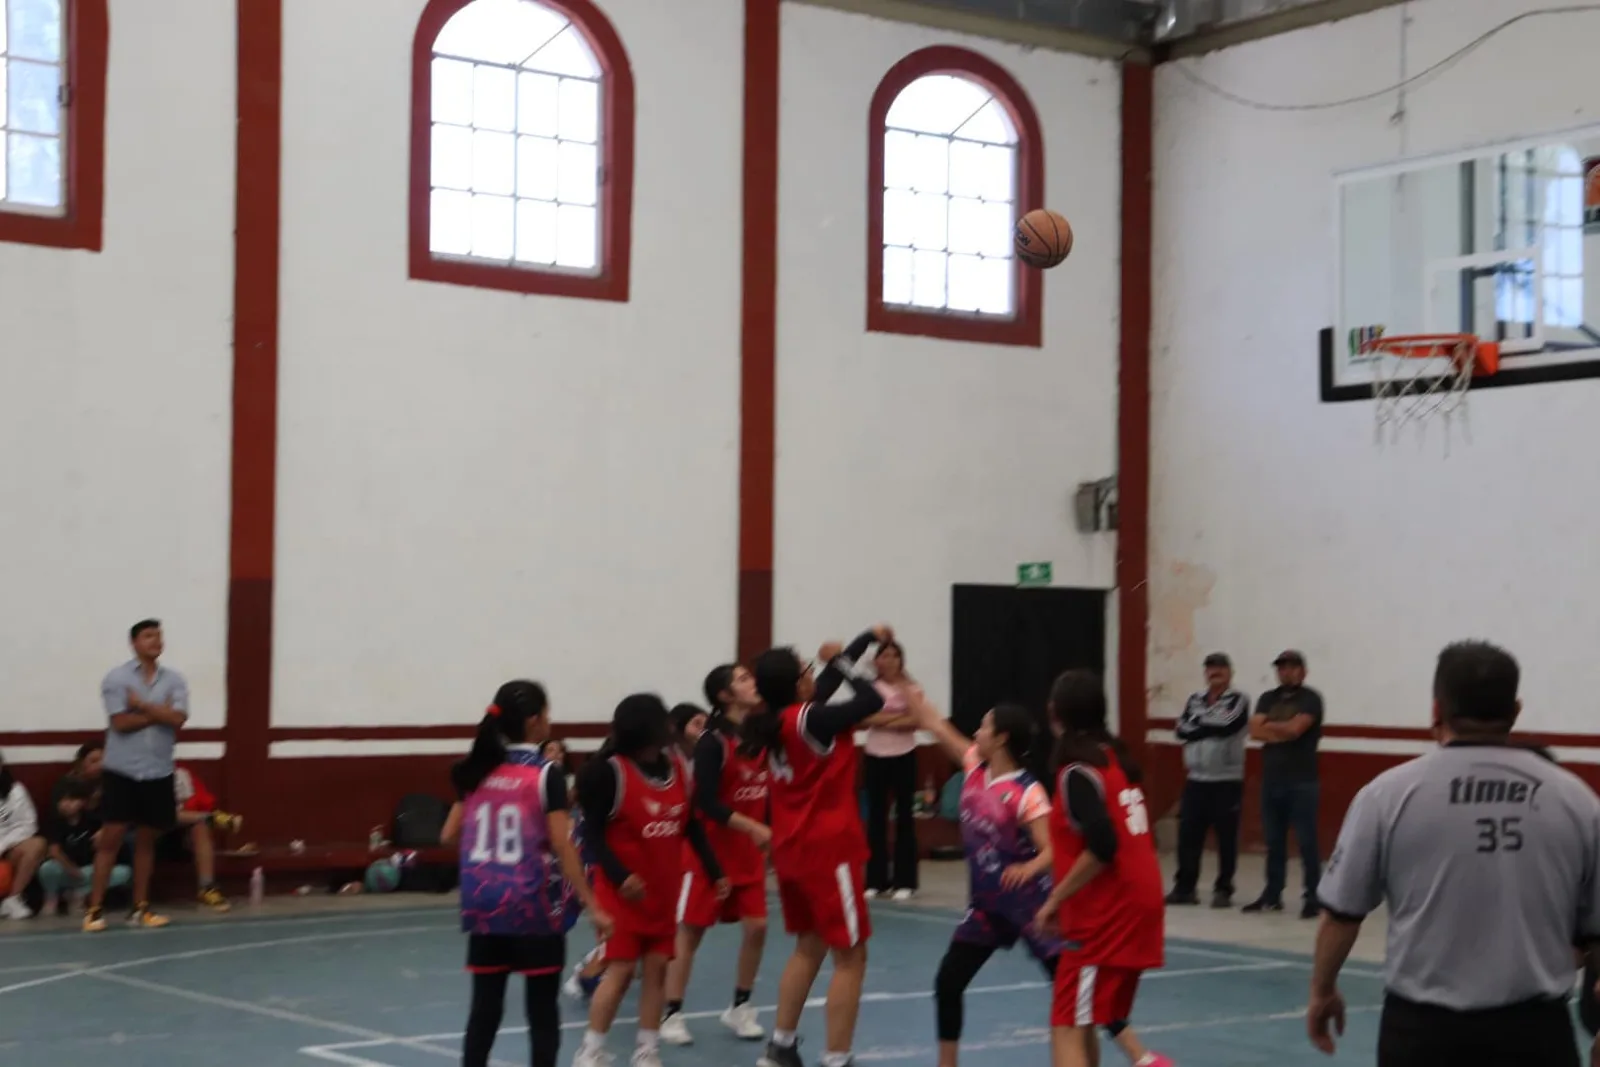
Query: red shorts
pixel 1087 995
pixel 698 904
pixel 630 945
pixel 829 903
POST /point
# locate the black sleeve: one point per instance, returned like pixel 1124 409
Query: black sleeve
pixel 555 790
pixel 1086 807
pixel 824 722
pixel 597 795
pixel 695 833
pixel 708 779
pixel 1315 706
pixel 833 674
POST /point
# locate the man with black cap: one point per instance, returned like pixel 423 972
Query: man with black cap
pixel 1288 724
pixel 1212 729
pixel 1487 854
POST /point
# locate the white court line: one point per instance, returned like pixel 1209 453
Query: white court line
pixel 366 1033
pixel 1041 1036
pixel 212 925
pixel 817 1002
pixel 218 950
pixel 63 966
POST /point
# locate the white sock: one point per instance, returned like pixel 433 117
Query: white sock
pixel 593 1042
pixel 783 1038
pixel 835 1059
pixel 1146 1060
pixel 649 1040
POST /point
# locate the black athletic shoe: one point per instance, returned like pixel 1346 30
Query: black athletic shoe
pixel 1222 898
pixel 1262 904
pixel 1310 910
pixel 1178 896
pixel 781 1055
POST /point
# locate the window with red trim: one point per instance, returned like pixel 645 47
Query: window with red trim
pixel 522 148
pixel 955 159
pixel 52 121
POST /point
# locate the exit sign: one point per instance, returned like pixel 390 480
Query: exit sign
pixel 1033 574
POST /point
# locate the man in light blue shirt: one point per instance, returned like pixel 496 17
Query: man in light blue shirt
pixel 147 704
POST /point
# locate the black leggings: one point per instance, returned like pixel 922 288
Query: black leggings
pixel 541 1000
pixel 962 962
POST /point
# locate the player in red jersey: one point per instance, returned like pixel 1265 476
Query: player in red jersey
pixel 635 800
pixel 1107 897
pixel 819 848
pixel 730 796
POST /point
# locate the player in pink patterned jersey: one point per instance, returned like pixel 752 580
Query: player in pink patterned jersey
pixel 521 880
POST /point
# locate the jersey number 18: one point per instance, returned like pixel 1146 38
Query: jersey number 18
pixel 499 835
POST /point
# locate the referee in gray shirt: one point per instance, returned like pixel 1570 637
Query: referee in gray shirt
pixel 1487 855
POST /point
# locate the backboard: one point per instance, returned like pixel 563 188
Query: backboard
pixel 1500 242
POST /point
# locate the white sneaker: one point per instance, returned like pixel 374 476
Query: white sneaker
pixel 646 1057
pixel 742 1021
pixel 600 1057
pixel 903 895
pixel 674 1031
pixel 14 908
pixel 869 894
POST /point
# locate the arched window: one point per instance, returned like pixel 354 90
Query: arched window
pixel 955 158
pixel 521 148
pixel 52 121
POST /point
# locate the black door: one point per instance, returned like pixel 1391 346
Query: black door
pixel 1008 644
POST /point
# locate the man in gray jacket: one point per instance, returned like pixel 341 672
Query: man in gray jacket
pixel 1212 729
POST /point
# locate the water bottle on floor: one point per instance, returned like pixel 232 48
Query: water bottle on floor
pixel 258 887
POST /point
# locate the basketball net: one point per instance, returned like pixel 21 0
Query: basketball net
pixel 1419 379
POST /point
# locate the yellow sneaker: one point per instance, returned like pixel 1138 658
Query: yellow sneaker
pixel 141 915
pixel 94 921
pixel 212 898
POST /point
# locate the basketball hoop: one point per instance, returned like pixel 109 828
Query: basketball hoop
pixel 1418 376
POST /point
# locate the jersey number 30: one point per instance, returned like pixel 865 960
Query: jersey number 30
pixel 499 835
pixel 1134 813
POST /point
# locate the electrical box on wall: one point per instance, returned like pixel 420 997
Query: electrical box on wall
pixel 1094 505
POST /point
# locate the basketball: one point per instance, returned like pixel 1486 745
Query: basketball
pixel 5 879
pixel 383 876
pixel 1043 238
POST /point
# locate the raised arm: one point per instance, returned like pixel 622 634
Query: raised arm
pixel 952 742
pixel 822 722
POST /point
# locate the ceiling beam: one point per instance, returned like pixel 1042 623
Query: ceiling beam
pixel 994 27
pixel 1214 38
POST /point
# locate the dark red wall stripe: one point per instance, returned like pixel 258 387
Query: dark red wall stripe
pixel 251 514
pixel 1133 402
pixel 758 338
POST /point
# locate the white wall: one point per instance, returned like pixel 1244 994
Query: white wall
pixel 1276 520
pixel 909 464
pixel 115 373
pixel 477 485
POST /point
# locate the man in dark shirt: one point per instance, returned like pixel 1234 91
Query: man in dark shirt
pixel 1288 723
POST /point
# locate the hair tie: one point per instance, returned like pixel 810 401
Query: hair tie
pixel 493 711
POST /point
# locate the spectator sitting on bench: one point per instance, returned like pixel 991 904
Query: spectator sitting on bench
pixel 85 768
pixel 197 817
pixel 20 843
pixel 70 868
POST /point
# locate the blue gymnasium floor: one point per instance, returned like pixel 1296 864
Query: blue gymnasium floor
pixel 385 989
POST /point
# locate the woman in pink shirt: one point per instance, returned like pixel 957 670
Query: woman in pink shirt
pixel 890 774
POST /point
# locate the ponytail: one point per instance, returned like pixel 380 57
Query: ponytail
pixel 506 721
pixel 761 733
pixel 488 752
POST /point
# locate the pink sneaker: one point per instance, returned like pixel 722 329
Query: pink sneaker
pixel 1156 1059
